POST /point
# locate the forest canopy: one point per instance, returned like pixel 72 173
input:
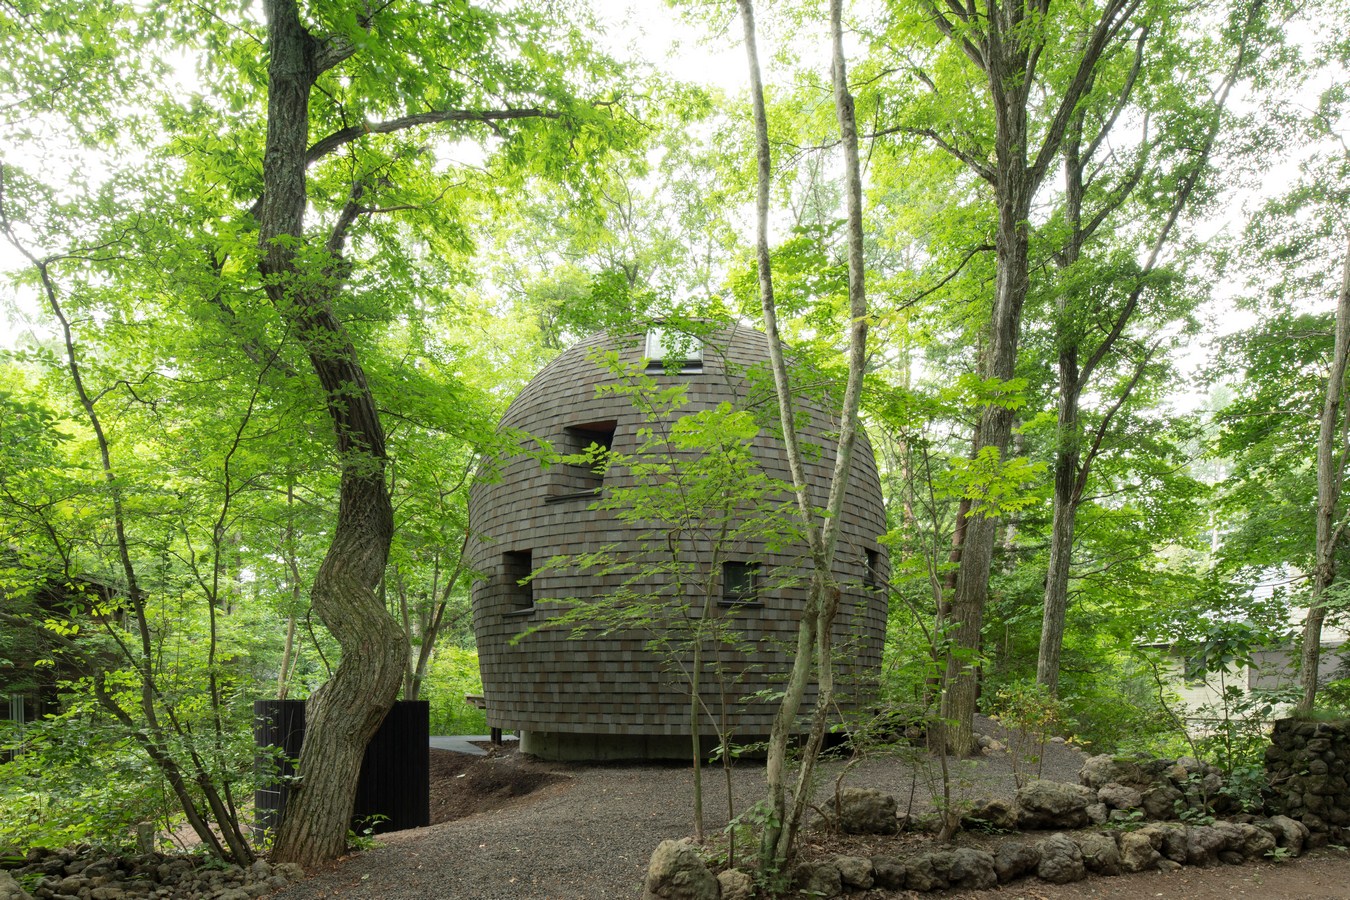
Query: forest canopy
pixel 274 271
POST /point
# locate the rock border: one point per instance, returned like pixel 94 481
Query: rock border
pixel 679 873
pixel 1121 818
pixel 89 874
pixel 1308 775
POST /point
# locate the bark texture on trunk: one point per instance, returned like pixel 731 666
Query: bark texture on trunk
pixel 1067 449
pixel 1006 44
pixel 776 835
pixel 1333 449
pixel 1073 464
pixel 1015 187
pixel 777 844
pixel 1062 524
pixel 347 710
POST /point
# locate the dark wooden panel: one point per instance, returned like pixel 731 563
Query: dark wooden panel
pixel 395 774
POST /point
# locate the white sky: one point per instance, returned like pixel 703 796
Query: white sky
pixel 640 29
pixel 709 53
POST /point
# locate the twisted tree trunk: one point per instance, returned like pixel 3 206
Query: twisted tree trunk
pixel 345 712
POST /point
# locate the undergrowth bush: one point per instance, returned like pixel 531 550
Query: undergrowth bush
pixel 1333 699
pixel 1116 710
pixel 80 777
pixel 72 781
pixel 1032 717
pixel 452 674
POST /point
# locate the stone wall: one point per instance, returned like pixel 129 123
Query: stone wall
pixel 1306 773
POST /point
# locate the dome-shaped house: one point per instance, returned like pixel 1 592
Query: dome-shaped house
pixel 607 692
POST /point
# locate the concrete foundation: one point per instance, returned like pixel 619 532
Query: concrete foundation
pixel 568 747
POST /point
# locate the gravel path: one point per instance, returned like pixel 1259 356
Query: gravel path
pixel 591 836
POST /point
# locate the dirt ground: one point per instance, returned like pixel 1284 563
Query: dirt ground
pixel 464 786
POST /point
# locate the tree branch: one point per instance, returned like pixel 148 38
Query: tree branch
pixel 970 254
pixel 1126 90
pixel 351 210
pixel 1080 482
pixel 980 167
pixel 1114 16
pixel 974 52
pixel 336 140
pixel 1188 183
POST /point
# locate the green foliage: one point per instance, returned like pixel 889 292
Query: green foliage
pixel 132 153
pixel 1114 707
pixel 996 487
pixel 174 449
pixel 77 778
pixel 1246 783
pixel 362 838
pixel 1236 731
pixel 1133 820
pixel 1032 716
pixel 454 673
pixel 52 794
pixel 1334 697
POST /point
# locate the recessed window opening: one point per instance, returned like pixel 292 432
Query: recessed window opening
pixel 516 568
pixel 671 350
pixel 872 574
pixel 581 438
pixel 740 582
pixel 594 441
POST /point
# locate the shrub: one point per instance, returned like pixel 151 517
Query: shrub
pixel 73 781
pixel 454 673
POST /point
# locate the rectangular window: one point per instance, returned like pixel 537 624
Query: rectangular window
pixel 598 435
pixel 673 351
pixel 516 568
pixel 588 446
pixel 872 575
pixel 740 582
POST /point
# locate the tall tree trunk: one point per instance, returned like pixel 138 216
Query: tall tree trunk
pixel 1332 452
pixel 346 711
pixel 1014 192
pixel 1063 520
pixel 1005 41
pixel 775 768
pixel 1069 433
pixel 857 329
pixel 1072 465
pixel 778 842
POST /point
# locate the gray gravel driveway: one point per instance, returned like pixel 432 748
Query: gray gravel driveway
pixel 591 835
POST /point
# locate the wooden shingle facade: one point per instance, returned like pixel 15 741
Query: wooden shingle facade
pixel 608 696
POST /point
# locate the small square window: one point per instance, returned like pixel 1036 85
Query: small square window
pixel 581 438
pixel 573 480
pixel 517 566
pixel 673 351
pixel 740 582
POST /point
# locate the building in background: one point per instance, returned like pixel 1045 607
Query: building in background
pixel 593 695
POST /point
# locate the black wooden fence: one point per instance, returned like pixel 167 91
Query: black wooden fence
pixel 393 791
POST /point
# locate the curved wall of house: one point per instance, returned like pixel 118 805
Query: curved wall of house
pixel 609 696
